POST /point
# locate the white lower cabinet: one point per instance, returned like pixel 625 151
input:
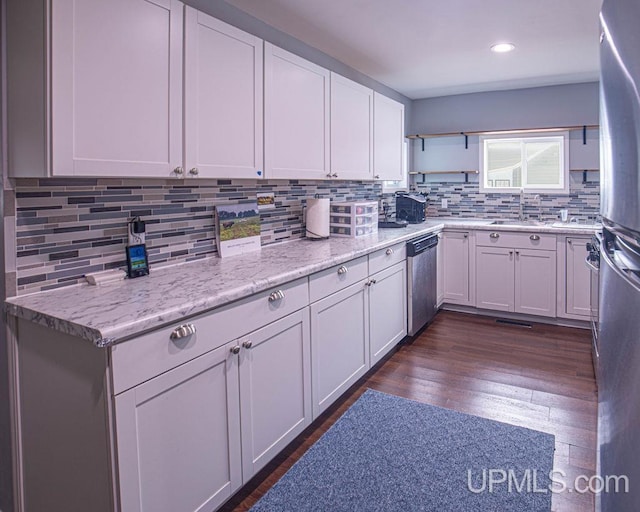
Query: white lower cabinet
pixel 516 280
pixel 275 389
pixel 178 437
pixel 494 278
pixel 457 263
pixel 440 269
pixel 339 343
pixel 577 280
pixel 387 310
pixel 190 437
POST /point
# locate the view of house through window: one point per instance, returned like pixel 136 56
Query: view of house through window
pixel 531 162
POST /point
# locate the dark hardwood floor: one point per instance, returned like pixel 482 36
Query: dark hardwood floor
pixel 539 377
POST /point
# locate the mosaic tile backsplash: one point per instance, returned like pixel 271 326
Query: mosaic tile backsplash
pixel 466 200
pixel 68 227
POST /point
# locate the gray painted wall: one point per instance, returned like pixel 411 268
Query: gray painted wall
pixel 539 107
pixel 6 480
pixel 238 18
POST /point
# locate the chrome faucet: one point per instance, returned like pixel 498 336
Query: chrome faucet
pixel 521 206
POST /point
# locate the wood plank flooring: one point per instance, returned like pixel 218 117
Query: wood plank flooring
pixel 539 377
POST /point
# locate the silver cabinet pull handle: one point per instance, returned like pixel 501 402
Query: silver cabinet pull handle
pixel 247 344
pixel 342 270
pixel 334 175
pixel 377 176
pixel 194 171
pixel 235 349
pixel 494 235
pixel 328 175
pixel 389 251
pixel 178 171
pixel 535 238
pixel 182 331
pixel 277 295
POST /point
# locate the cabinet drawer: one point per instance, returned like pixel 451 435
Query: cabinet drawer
pixel 336 278
pixel 531 240
pixel 384 258
pixel 151 354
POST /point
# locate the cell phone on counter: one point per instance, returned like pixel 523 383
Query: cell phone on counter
pixel 137 261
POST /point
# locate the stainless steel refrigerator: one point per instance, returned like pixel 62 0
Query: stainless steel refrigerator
pixel 619 312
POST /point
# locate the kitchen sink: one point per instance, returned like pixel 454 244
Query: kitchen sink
pixel 518 223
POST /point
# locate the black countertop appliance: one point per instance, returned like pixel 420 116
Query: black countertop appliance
pixel 411 207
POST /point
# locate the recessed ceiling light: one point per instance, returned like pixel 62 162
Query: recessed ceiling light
pixel 503 47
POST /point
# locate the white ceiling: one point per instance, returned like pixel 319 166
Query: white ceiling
pixel 427 48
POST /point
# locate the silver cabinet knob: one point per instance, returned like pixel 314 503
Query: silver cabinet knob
pixel 277 295
pixel 569 241
pixel 535 238
pixel 235 349
pixel 334 175
pixel 389 251
pixel 328 175
pixel 510 253
pixel 342 270
pixel 247 344
pixel 494 235
pixel 370 282
pixel 182 331
pixel 178 171
pixel 194 171
pixel 466 235
pixel 517 253
pixel 377 176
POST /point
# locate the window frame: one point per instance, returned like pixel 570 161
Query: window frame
pixel 562 188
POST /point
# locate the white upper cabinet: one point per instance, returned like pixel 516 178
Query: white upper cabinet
pixel 223 100
pixel 296 116
pixel 351 129
pixel 388 138
pixel 116 87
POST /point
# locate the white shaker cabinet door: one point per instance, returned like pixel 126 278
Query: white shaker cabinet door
pixel 296 116
pixel 440 269
pixel 351 129
pixel 179 437
pixel 388 138
pixel 275 388
pixel 495 278
pixel 387 310
pixel 223 99
pixel 339 343
pixel 577 278
pixel 456 268
pixel 116 81
pixel 535 282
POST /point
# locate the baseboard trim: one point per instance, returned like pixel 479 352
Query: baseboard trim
pixel 562 322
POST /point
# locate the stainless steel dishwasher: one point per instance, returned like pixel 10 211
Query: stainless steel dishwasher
pixel 422 274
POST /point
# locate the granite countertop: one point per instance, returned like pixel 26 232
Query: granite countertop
pixel 116 311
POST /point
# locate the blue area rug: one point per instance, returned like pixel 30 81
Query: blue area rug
pixel 388 453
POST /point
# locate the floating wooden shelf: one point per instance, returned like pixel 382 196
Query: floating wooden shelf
pixel 443 172
pixel 466 173
pixel 584 128
pixel 500 132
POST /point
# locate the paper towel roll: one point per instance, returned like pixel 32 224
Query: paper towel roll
pixel 318 218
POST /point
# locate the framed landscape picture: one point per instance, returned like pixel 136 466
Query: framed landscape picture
pixel 238 228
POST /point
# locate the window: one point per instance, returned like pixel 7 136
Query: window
pixel 534 162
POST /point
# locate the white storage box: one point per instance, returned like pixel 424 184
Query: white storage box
pixel 358 218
